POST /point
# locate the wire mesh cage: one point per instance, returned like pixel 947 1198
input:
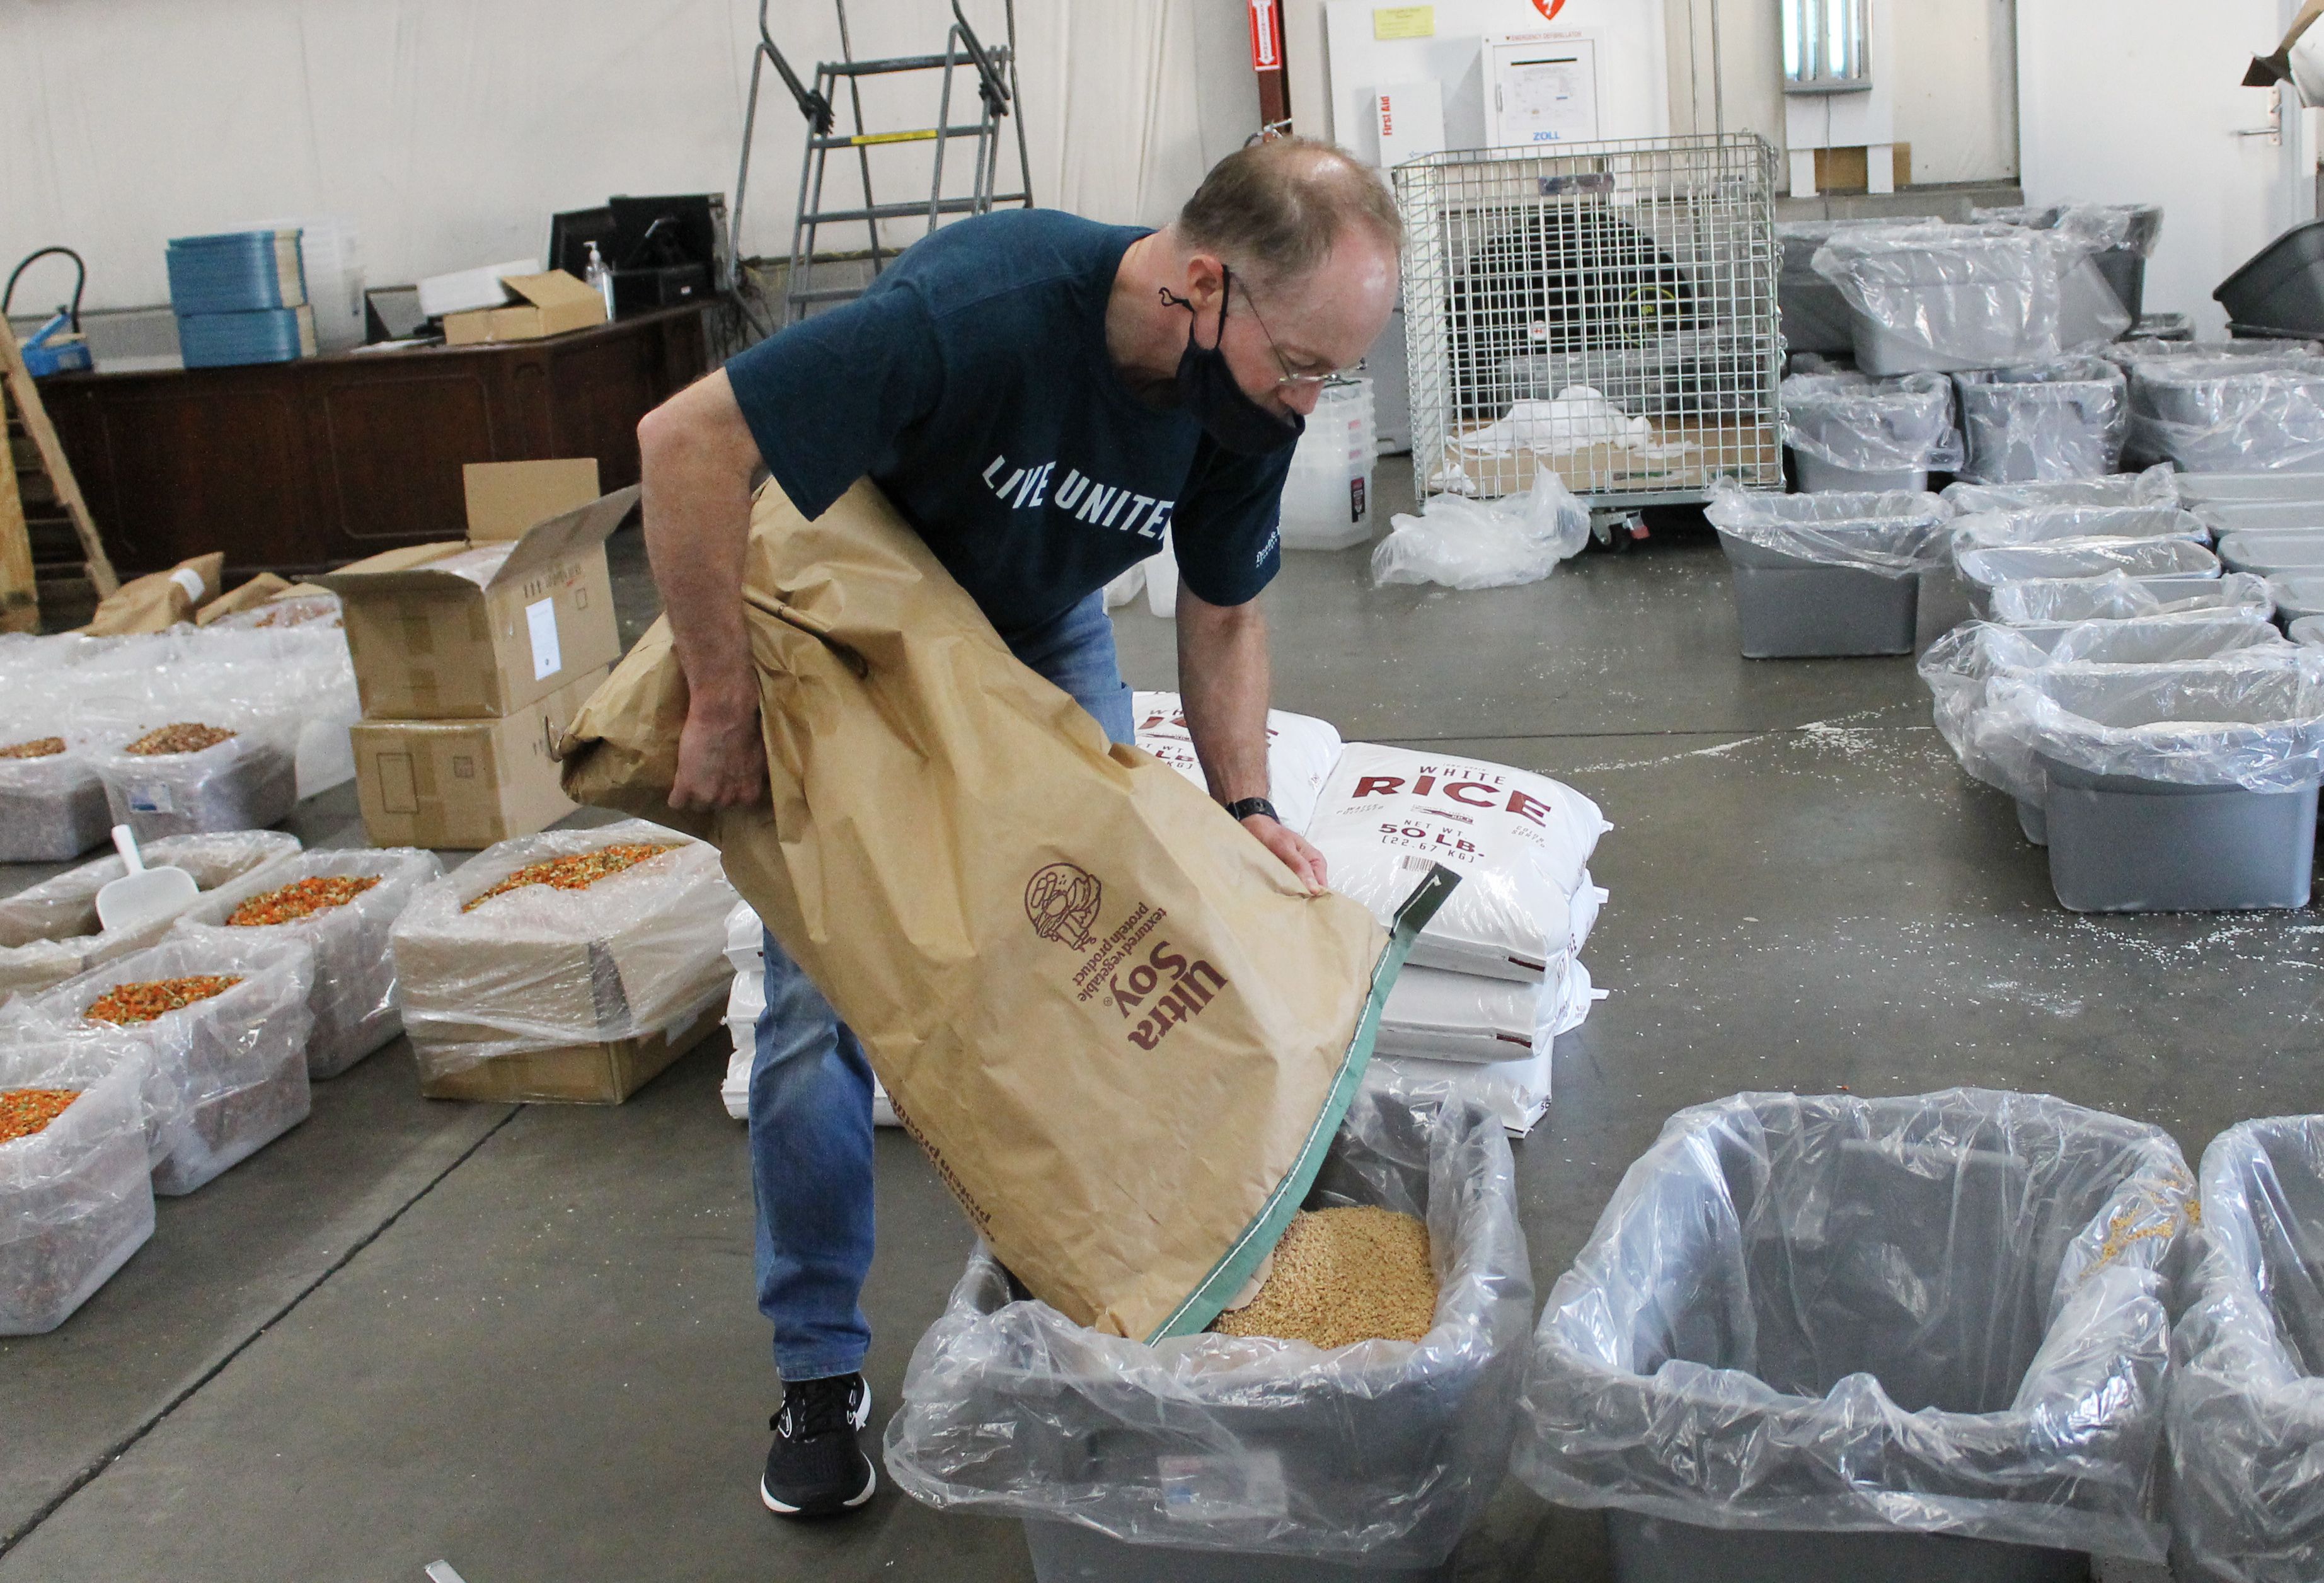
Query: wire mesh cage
pixel 1607 311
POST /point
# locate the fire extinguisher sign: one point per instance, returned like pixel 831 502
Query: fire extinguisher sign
pixel 1265 56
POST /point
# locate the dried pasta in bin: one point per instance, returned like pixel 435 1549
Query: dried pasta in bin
pixel 76 1192
pixel 180 768
pixel 343 904
pixel 50 932
pixel 224 1029
pixel 52 805
pixel 607 940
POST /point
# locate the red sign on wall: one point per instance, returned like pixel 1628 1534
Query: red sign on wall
pixel 1549 8
pixel 1265 54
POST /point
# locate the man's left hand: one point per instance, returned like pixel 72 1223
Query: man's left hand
pixel 1297 854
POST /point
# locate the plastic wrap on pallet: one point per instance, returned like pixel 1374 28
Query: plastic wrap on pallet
pixel 637 953
pixel 355 1001
pixel 1380 1453
pixel 1895 533
pixel 1853 422
pixel 1942 1314
pixel 2229 414
pixel 2246 1423
pixel 1485 544
pixel 76 1197
pixel 1933 298
pixel 50 931
pixel 2119 594
pixel 2155 486
pixel 1958 666
pixel 2253 719
pixel 226 1075
pixel 2055 524
pixel 2063 419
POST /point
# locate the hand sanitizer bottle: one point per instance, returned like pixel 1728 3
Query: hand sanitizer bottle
pixel 599 274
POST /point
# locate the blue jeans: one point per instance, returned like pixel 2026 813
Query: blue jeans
pixel 811 1088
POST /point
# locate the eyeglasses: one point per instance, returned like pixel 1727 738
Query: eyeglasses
pixel 1290 381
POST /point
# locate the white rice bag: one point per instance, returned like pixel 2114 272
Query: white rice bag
pixel 1300 752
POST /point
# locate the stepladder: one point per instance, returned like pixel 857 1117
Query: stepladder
pixel 40 505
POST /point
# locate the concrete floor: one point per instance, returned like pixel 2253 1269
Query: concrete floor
pixel 523 1339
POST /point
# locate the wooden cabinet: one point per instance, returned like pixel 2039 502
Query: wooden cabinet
pixel 296 466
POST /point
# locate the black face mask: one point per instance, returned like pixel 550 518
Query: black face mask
pixel 1207 389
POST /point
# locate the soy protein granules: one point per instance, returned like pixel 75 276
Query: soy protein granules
pixel 25 1111
pixel 131 1003
pixel 1344 1275
pixel 302 898
pixel 578 872
pixel 184 737
pixel 38 748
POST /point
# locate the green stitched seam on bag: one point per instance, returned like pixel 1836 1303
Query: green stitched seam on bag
pixel 1235 1268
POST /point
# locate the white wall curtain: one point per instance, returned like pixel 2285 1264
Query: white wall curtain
pixel 450 131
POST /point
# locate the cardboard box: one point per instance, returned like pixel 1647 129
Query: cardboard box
pixel 463 290
pixel 553 304
pixel 465 783
pixel 439 631
pixel 578 1074
pixel 2298 61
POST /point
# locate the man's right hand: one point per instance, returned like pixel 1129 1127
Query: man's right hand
pixel 721 758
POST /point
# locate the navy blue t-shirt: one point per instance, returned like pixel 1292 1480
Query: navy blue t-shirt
pixel 972 383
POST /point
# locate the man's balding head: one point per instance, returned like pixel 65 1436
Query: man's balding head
pixel 1276 209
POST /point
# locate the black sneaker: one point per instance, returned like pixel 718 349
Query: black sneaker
pixel 816 1468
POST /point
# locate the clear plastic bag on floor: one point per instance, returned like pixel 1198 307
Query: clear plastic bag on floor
pixel 1896 533
pixel 2153 487
pixel 2253 719
pixel 76 1197
pixel 1485 544
pixel 1943 1314
pixel 1958 666
pixel 2120 595
pixel 2063 419
pixel 1380 1453
pixel 354 1002
pixel 50 931
pixel 1852 421
pixel 2246 1418
pixel 639 951
pixel 2052 524
pixel 226 1074
pixel 2235 414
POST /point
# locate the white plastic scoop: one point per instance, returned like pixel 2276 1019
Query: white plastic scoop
pixel 142 896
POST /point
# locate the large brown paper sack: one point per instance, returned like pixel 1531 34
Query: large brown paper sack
pixel 158 600
pixel 1119 1027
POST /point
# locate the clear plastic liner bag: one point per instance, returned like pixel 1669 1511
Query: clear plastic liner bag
pixel 2307 631
pixel 1895 533
pixel 2134 227
pixel 1933 298
pixel 225 1075
pixel 2063 419
pixel 53 806
pixel 246 781
pixel 1939 1314
pixel 50 931
pixel 1984 570
pixel 1300 751
pixel 1864 425
pixel 637 953
pixel 355 1001
pixel 1515 1093
pixel 76 1197
pixel 1521 843
pixel 2246 1414
pixel 2146 349
pixel 2153 487
pixel 2253 719
pixel 1464 543
pixel 2052 524
pixel 2229 414
pixel 284 611
pixel 2119 594
pixel 1380 1453
pixel 1958 666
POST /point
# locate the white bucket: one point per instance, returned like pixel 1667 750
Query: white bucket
pixel 1327 496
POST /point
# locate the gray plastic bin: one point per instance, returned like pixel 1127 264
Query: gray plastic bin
pixel 2307 631
pixel 2303 516
pixel 2285 553
pixel 1788 608
pixel 1064 1553
pixel 2236 489
pixel 2282 285
pixel 2297 595
pixel 2122 844
pixel 2033 822
pixel 1984 570
pixel 1652 1550
pixel 2047 420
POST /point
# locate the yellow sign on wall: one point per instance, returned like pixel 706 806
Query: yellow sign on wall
pixel 1404 22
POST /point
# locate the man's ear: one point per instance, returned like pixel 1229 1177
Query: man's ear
pixel 1205 277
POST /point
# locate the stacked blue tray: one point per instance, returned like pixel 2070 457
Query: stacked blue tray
pixel 240 297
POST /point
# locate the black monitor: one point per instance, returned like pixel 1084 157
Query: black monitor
pixel 570 233
pixel 649 232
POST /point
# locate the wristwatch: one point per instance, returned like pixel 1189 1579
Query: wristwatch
pixel 1244 808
